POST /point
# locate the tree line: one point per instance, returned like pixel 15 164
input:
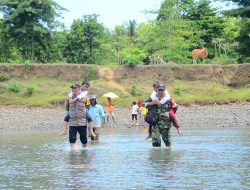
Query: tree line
pixel 29 31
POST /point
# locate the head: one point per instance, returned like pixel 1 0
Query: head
pixel 134 102
pixel 75 89
pixel 155 85
pixel 109 99
pixel 85 85
pixel 160 90
pixel 140 103
pixel 93 100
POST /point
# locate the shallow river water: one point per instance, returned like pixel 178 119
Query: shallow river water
pixel 200 159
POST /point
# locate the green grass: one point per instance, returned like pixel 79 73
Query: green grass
pixel 50 92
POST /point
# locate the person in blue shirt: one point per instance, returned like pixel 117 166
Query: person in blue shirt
pixel 97 114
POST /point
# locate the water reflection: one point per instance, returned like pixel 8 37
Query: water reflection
pixel 79 167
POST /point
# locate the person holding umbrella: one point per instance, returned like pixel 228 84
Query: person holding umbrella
pixel 109 106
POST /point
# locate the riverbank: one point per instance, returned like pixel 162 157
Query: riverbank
pixel 48 85
pixel 216 116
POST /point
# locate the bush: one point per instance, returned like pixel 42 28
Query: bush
pixel 177 89
pixel 91 71
pixel 133 56
pixel 134 90
pixel 30 91
pixel 27 65
pixel 14 88
pixel 4 77
pixel 223 60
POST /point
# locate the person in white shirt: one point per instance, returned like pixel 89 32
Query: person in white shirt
pixel 134 113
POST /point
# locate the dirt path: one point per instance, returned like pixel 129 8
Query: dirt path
pixel 108 74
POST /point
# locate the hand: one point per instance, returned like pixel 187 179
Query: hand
pixel 63 133
pixel 93 135
pixel 179 131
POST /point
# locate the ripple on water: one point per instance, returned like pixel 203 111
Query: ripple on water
pixel 201 159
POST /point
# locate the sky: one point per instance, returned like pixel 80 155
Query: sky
pixel 111 12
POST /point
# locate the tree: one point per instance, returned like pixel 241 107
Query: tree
pixel 242 11
pixel 133 56
pixel 28 24
pixel 173 34
pixel 208 24
pixel 120 40
pixel 84 40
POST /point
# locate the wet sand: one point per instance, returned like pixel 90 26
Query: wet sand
pixel 216 116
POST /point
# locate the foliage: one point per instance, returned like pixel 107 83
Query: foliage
pixel 4 77
pixel 177 89
pixel 134 90
pixel 30 90
pixel 14 88
pixel 133 56
pixel 29 31
pixel 27 65
pixel 242 11
pixel 91 72
pixel 27 23
pixel 84 40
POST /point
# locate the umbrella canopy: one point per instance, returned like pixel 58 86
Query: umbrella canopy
pixel 110 95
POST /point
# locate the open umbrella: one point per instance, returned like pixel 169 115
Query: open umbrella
pixel 110 95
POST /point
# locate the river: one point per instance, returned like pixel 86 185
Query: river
pixel 200 159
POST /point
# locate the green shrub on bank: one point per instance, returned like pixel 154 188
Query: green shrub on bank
pixel 30 90
pixel 177 89
pixel 91 72
pixel 134 90
pixel 222 60
pixel 4 77
pixel 14 88
pixel 27 65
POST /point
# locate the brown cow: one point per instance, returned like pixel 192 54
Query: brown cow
pixel 199 54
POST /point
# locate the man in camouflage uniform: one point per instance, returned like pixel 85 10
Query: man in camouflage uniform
pixel 162 127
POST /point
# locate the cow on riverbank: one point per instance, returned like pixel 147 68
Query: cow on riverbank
pixel 199 54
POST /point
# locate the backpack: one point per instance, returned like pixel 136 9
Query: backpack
pixel 152 117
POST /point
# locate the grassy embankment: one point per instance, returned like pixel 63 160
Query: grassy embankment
pixel 48 92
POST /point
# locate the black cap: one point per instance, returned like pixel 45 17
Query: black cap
pixel 75 86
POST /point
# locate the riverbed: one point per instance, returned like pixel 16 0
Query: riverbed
pixel 213 116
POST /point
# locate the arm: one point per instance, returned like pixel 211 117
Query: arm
pixel 101 112
pixel 67 104
pixel 90 124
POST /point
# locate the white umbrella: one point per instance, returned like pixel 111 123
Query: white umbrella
pixel 110 95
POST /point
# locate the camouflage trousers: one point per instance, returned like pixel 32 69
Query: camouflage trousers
pixel 160 131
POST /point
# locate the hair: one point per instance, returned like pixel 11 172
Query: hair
pixel 85 82
pixel 134 102
pixel 156 84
